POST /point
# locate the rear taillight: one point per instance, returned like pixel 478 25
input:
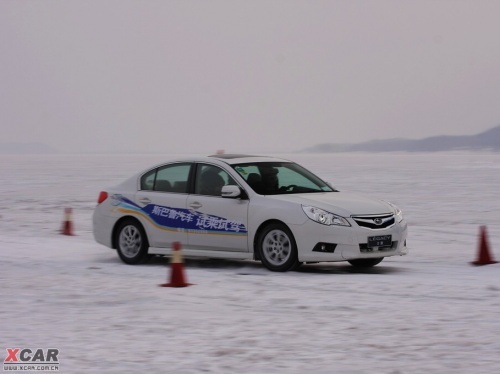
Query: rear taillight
pixel 103 195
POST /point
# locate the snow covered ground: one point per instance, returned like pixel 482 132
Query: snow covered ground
pixel 428 312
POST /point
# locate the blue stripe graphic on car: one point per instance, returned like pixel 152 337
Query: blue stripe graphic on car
pixel 185 219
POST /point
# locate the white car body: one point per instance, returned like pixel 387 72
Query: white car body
pixel 230 224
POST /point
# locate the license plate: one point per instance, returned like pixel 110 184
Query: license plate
pixel 381 241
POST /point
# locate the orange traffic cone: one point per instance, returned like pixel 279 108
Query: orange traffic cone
pixel 484 257
pixel 67 226
pixel 177 278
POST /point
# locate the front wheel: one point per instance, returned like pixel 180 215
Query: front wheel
pixel 277 248
pixel 365 262
pixel 131 242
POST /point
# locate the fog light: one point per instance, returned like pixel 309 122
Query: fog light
pixel 325 247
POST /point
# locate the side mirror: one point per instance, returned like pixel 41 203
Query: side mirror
pixel 230 191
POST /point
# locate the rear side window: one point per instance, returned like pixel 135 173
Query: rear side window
pixel 169 178
pixel 148 180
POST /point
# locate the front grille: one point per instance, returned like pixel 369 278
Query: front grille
pixel 375 222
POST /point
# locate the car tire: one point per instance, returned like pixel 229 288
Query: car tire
pixel 131 242
pixel 366 262
pixel 277 248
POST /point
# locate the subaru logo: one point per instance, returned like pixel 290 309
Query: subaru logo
pixel 378 221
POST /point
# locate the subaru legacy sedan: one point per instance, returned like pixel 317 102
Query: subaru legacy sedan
pixel 245 207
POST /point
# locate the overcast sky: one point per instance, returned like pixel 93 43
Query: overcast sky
pixel 245 76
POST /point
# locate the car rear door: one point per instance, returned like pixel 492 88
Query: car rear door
pixel 161 202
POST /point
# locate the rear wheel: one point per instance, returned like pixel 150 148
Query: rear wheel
pixel 277 248
pixel 366 262
pixel 131 242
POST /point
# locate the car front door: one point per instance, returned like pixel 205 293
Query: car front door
pixel 162 204
pixel 220 224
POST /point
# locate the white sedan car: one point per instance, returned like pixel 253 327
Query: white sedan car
pixel 245 207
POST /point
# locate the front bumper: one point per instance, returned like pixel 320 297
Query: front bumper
pixel 350 243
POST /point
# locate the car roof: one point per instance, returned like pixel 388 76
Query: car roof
pixel 244 159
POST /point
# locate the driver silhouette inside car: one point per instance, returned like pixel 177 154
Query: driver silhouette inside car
pixel 269 180
pixel 211 183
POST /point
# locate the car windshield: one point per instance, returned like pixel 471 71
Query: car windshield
pixel 277 178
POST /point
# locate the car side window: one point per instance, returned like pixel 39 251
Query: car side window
pixel 168 178
pixel 291 177
pixel 273 178
pixel 210 180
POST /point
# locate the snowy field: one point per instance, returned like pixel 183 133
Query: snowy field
pixel 428 312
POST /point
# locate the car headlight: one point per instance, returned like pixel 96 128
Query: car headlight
pixel 398 214
pixel 324 217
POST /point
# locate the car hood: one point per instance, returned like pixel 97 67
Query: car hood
pixel 341 203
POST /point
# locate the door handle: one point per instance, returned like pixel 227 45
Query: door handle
pixel 145 201
pixel 195 205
